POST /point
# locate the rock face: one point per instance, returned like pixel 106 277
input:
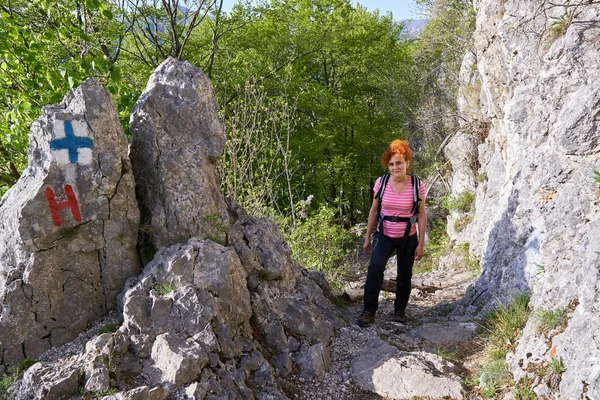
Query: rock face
pixel 176 138
pixel 534 81
pixel 216 315
pixel 68 227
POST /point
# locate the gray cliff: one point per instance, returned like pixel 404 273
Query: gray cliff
pixel 530 99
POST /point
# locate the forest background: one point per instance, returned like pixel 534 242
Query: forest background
pixel 310 93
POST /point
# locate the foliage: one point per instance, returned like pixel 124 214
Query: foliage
pixel 523 390
pixel 548 320
pixel 462 202
pixel 46 48
pixel 436 247
pixel 469 263
pixel 503 325
pixel 493 376
pixel 11 377
pixel 597 176
pixel 107 329
pixel 319 242
pixel 163 289
pixel 438 52
pixel 555 365
pixel 562 23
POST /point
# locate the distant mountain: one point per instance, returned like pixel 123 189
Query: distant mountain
pixel 414 26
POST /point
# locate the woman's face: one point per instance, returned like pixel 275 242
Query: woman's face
pixel 397 166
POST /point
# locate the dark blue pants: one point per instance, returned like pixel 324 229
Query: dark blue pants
pixel 383 248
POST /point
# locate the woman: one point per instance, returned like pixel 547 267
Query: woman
pixel 395 232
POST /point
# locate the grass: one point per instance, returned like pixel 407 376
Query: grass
pixel 11 377
pixel 163 289
pixel 556 365
pixel 501 328
pixel 548 320
pixel 562 23
pixel 523 390
pixel 493 377
pixel 462 202
pixel 469 263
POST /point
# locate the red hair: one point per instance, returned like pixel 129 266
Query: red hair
pixel 397 147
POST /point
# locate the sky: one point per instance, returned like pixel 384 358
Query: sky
pixel 401 9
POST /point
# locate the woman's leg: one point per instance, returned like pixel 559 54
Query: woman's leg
pixel 380 254
pixel 405 254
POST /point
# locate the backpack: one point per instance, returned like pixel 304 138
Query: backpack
pixel 416 183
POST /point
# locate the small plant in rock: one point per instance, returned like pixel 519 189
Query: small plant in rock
pixel 540 269
pixel 562 23
pixel 461 223
pixel 163 289
pixel 101 393
pixel 493 377
pixel 11 377
pixel 597 176
pixel 548 320
pixel 482 177
pixel 463 202
pixel 469 263
pixel 503 325
pixel 216 226
pixel 436 247
pixel 555 365
pixel 145 245
pixel 107 329
pixel 446 353
pixel 523 390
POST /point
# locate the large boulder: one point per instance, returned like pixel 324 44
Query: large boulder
pixel 176 139
pixel 68 227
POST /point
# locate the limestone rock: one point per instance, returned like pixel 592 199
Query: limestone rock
pixel 385 370
pixel 536 226
pixel 176 139
pixel 178 361
pixel 68 227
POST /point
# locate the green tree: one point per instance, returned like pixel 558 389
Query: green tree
pixel 46 48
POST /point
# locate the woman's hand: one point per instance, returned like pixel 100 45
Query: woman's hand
pixel 419 251
pixel 367 245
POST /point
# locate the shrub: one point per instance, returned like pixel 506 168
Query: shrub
pixel 319 243
pixel 462 202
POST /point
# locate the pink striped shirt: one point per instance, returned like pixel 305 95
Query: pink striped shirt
pixel 398 205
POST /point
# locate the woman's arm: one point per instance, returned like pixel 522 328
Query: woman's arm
pixel 371 225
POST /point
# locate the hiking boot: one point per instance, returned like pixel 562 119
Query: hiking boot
pixel 365 319
pixel 399 316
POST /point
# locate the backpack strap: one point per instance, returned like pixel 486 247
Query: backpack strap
pixel 384 180
pixel 416 182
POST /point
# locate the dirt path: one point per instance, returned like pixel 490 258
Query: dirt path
pixel 430 328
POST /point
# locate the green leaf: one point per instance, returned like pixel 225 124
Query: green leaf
pixel 597 177
pixel 107 14
pixel 71 82
pixel 115 74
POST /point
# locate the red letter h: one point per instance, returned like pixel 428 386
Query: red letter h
pixel 71 203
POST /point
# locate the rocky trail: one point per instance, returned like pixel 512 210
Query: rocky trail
pixel 426 358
